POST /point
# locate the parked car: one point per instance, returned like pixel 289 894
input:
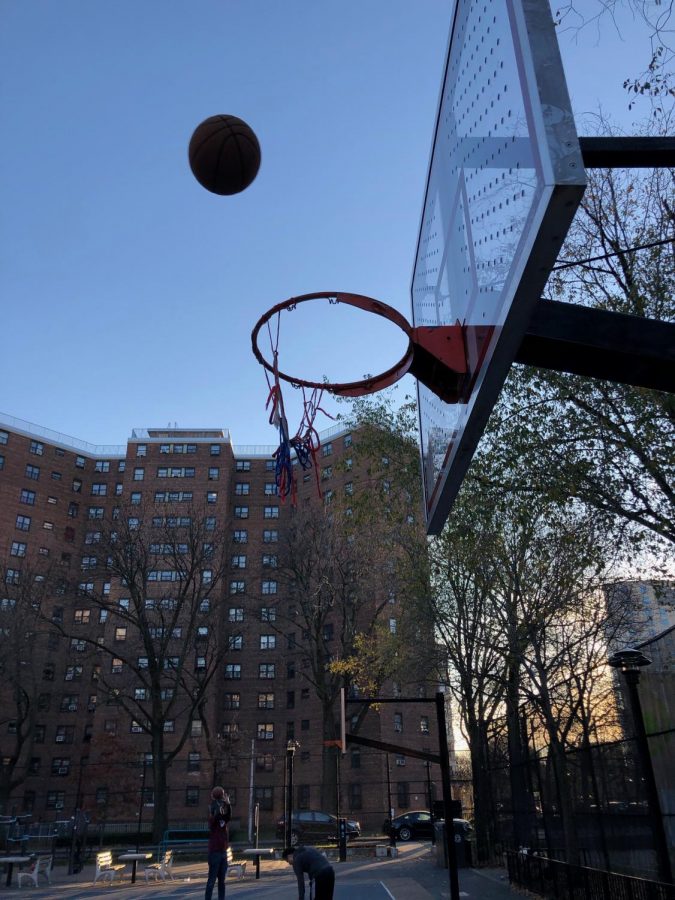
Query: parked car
pixel 312 824
pixel 418 825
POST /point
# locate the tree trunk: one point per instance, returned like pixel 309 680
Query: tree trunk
pixel 522 804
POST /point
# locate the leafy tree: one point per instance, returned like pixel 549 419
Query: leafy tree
pixel 609 445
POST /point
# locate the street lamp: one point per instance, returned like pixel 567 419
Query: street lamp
pixel 630 661
pixel 291 747
pixel 140 804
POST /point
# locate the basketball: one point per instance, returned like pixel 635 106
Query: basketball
pixel 224 155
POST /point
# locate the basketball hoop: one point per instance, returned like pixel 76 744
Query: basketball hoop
pixel 435 355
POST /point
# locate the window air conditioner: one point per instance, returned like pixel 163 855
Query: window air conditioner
pixel 58 805
pixel 62 771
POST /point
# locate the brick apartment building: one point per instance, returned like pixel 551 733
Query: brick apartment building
pixel 58 496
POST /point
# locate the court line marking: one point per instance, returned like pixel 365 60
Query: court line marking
pixel 383 885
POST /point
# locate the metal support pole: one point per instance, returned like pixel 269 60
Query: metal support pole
pixel 140 807
pixel 392 836
pixel 453 873
pixel 654 805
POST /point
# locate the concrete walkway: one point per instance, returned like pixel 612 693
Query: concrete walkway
pixel 412 875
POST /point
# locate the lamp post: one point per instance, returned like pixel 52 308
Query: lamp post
pixel 630 661
pixel 291 747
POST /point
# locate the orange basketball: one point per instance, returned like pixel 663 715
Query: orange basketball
pixel 224 154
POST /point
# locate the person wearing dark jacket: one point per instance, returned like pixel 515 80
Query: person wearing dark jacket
pixel 220 813
pixel 315 864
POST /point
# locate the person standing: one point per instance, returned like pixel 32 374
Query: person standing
pixel 220 813
pixel 309 860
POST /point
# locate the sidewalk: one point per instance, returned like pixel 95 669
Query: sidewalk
pixel 412 875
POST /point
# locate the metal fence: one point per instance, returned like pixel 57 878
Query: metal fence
pixel 554 879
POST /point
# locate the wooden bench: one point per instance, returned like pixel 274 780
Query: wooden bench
pixel 105 868
pixel 41 866
pixel 161 869
pixel 234 869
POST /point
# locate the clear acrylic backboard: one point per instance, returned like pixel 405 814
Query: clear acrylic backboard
pixel 505 178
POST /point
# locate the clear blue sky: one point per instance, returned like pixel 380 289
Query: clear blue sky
pixel 129 292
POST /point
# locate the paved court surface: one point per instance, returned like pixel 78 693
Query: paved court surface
pixel 413 875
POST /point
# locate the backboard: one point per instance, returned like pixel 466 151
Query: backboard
pixel 505 178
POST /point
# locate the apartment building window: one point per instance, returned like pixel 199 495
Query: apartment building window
pixel 210 523
pixel 214 450
pixel 99 490
pixel 326 473
pixel 264 762
pixel 328 632
pixel 196 728
pixel 2 461
pixel 400 759
pixel 349 489
pixel 393 626
pixel 4 437
pixel 271 512
pixel 55 799
pixel 64 734
pixel 424 724
pixel 240 537
pixel 243 465
pixel 270 489
pixel 238 561
pixel 327 449
pixel 81 616
pixel 141 449
pixel 403 794
pixel 27 497
pixel 270 537
pixel 18 548
pixel 121 633
pixel 242 489
pixel 79 462
pixel 355 796
pixel 398 722
pixel 235 642
pixel 169 726
pixel 73 673
pixel 214 473
pixel 139 474
pixel 73 509
pixel 192 795
pixel 33 472
pixel 212 496
pixel 268 642
pixel 12 576
pixel 102 465
pixel 347 440
pixel 269 561
pixel 268 614
pixel 271 465
pixel 95 512
pixel 269 587
pixel 266 670
pixel 116 665
pixel 237 587
pixel 265 731
pixel 355 758
pixel 37 448
pixel 265 797
pixel 121 466
pixel 235 614
pixel 231 701
pixel 61 765
pixel 266 701
pixel 233 671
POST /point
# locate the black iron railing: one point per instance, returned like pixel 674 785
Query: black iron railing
pixel 554 879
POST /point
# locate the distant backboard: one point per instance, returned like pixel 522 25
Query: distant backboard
pixel 505 178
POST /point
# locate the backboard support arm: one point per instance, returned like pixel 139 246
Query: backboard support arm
pixel 597 343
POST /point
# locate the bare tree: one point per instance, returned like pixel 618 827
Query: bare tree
pixel 24 587
pixel 160 647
